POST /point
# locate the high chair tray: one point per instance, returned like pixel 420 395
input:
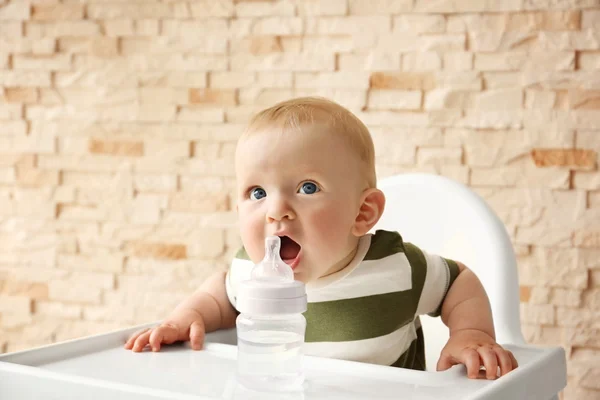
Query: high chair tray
pixel 98 367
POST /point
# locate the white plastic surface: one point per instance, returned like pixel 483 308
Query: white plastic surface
pixel 447 218
pixel 99 368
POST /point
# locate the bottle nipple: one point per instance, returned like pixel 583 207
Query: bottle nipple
pixel 272 267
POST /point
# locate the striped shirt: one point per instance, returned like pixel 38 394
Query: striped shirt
pixel 369 311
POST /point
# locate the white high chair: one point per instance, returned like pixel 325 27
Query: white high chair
pixel 447 218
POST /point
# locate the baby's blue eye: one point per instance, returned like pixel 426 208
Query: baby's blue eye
pixel 309 188
pixel 258 193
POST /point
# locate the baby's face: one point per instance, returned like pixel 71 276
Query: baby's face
pixel 304 187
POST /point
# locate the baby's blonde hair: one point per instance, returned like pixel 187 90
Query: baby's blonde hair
pixel 297 113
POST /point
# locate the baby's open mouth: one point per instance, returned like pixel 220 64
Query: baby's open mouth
pixel 289 249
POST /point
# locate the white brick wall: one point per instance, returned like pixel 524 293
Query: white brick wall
pixel 118 123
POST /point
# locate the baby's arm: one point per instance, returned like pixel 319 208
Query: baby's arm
pixel 467 313
pixel 207 309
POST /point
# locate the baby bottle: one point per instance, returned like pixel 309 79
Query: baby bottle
pixel 271 327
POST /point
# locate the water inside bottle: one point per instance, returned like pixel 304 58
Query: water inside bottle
pixel 270 360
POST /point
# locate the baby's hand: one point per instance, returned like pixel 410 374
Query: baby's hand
pixel 475 348
pixel 185 325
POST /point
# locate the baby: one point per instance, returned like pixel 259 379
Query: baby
pixel 306 172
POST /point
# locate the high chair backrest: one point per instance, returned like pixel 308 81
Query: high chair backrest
pixel 447 218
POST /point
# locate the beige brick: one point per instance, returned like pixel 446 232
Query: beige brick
pixel 27 176
pixel 275 79
pixel 379 7
pixel 566 297
pixel 15 11
pixel 458 23
pixel 580 318
pixel 354 100
pixel 66 28
pixel 213 97
pixel 264 97
pixel 458 173
pixel 522 175
pixel 269 26
pixel 56 309
pixel 199 202
pixel 21 95
pixel 461 6
pixel 93 262
pixel 445 98
pixel 211 9
pixel 500 99
pixel 540 99
pixel 565 158
pixel 590 19
pixel 24 78
pixel 231 80
pixel 581 40
pixel 324 44
pixel 3 61
pixel 155 182
pixel 545 21
pixel 174 79
pixel 490 41
pixel 585 139
pixel 147 27
pixel 76 213
pixel 373 61
pixel 13 128
pixel 283 62
pixel 168 251
pixel 15 304
pixel 558 4
pixel 438 156
pixel 586 180
pixel 11 29
pixel 168 149
pixel 348 25
pixel 337 80
pixel 135 149
pixel 146 208
pixel 52 12
pixel 18 45
pixel 258 45
pixel 11 111
pixel 203 27
pixel 515 61
pixel 167 44
pixel 27 144
pixel 163 95
pixel 538 314
pixel 8 175
pixel 584 99
pixel 201 114
pixel 267 8
pixel 394 99
pixel 132 10
pixel 118 27
pixel 422 61
pixel 401 41
pixel 458 61
pixel 419 24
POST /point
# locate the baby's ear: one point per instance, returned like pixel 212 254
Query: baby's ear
pixel 371 208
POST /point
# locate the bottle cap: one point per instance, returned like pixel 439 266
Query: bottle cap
pixel 271 289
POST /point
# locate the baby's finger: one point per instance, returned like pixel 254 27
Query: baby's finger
pixel 504 360
pixel 197 335
pixel 490 362
pixel 133 337
pixel 470 358
pixel 515 364
pixel 163 334
pixel 141 341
